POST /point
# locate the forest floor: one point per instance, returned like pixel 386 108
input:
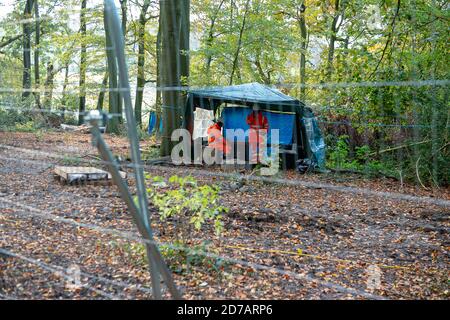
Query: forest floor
pixel 317 241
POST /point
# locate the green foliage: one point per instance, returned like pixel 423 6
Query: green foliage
pixel 363 153
pixel 136 252
pixel 262 42
pixel 340 157
pixel 151 152
pixel 70 161
pixel 29 126
pixel 338 154
pixel 184 199
pixel 179 257
pixel 9 119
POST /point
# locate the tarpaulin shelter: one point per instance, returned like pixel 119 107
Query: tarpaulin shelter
pixel 300 136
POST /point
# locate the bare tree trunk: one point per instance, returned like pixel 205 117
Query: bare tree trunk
pixel 113 96
pixel 170 71
pixel 140 80
pixel 124 9
pixel 49 86
pixel 304 47
pixel 83 56
pixel 26 79
pixel 333 37
pixel 158 101
pixel 101 95
pixel 36 53
pixel 184 39
pixel 64 94
pixel 185 22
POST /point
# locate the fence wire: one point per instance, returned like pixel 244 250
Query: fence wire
pixel 129 236
pixel 56 270
pixel 282 181
pixel 41 214
pixel 394 135
pixel 62 272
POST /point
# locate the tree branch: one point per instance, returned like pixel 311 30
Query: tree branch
pixel 10 40
pixel 397 11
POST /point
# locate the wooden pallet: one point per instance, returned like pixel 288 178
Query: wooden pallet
pixel 83 175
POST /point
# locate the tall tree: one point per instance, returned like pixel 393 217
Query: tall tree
pixel 239 44
pixel 36 52
pixel 171 18
pixel 26 79
pixel 336 23
pixel 64 90
pixel 184 10
pixel 158 102
pixel 49 86
pixel 210 39
pixel 114 95
pixel 101 95
pixel 303 48
pixel 124 10
pixel 185 22
pixel 111 78
pixel 140 81
pixel 115 103
pixel 83 56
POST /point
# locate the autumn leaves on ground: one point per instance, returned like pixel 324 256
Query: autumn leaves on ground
pixel 317 242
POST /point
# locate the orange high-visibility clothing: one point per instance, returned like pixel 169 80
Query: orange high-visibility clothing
pixel 257 120
pixel 215 138
pixel 259 125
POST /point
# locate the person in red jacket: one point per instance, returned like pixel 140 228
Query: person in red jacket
pixel 259 126
pixel 215 137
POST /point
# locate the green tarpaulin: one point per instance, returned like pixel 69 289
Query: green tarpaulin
pixel 245 94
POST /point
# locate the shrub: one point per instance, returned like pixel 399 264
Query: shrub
pixel 362 161
pixel 181 258
pixel 151 152
pixel 178 256
pixel 183 199
pixel 9 119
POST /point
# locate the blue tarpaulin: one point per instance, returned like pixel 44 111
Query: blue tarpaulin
pixel 282 112
pixel 236 118
pixel 152 123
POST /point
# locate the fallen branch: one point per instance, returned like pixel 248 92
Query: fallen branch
pixel 161 160
pixel 80 129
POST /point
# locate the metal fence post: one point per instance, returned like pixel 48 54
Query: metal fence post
pixel 140 210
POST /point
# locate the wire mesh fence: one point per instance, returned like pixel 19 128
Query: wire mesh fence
pixel 338 234
pixel 22 205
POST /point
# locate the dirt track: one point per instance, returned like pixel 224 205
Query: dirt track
pixel 313 232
